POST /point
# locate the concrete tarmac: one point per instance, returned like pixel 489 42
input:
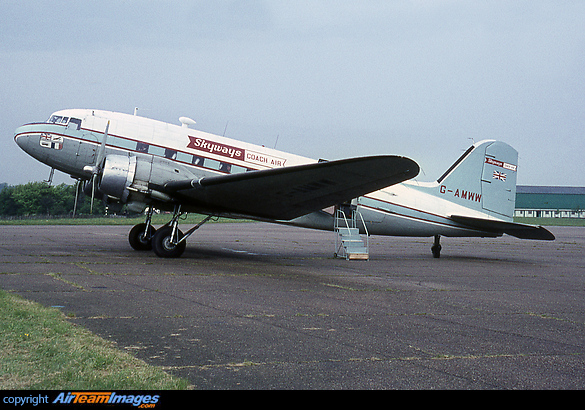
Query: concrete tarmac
pixel 261 306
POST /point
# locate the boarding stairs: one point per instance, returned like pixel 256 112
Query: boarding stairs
pixel 349 244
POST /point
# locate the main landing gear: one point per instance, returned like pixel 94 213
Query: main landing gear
pixel 436 248
pixel 168 241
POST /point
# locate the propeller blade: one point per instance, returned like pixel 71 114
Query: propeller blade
pixel 96 168
pixel 102 151
pixel 99 156
pixel 92 194
pixel 76 197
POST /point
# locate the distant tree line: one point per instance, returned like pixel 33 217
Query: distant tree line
pixel 42 199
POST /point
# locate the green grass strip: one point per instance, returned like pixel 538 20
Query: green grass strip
pixel 40 349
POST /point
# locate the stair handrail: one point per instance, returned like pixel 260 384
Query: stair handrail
pixel 365 229
pixel 363 222
pixel 339 211
pixel 339 244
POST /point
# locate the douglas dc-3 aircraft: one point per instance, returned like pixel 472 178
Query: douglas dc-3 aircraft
pixel 147 164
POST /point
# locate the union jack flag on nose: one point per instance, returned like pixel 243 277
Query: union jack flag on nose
pixel 499 175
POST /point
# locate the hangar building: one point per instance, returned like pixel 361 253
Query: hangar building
pixel 550 202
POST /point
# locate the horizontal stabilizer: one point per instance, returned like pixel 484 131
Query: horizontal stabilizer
pixel 517 230
pixel 289 192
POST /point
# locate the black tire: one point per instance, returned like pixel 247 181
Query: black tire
pixel 137 239
pixel 161 243
pixel 436 249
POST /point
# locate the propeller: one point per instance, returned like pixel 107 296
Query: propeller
pixel 96 168
pixel 76 197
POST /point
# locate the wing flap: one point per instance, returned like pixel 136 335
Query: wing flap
pixel 289 192
pixel 517 230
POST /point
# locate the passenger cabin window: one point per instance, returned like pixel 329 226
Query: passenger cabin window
pixel 224 167
pixel 170 153
pixel 141 147
pixel 198 161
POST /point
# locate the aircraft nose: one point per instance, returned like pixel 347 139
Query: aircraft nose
pixel 20 138
pixel 24 139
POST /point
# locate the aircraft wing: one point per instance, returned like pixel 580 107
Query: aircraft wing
pixel 289 192
pixel 518 230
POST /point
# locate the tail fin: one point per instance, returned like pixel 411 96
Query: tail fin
pixel 484 179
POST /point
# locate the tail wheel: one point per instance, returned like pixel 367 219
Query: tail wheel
pixel 139 240
pixel 163 245
pixel 436 248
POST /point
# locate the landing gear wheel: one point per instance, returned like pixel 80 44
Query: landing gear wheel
pixel 436 248
pixel 163 246
pixel 138 240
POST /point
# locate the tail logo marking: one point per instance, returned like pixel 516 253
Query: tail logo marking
pixel 460 193
pixel 500 175
pixel 500 164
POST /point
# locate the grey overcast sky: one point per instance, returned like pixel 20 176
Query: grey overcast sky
pixel 320 78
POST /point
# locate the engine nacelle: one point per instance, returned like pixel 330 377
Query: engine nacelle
pixel 117 175
pixel 129 180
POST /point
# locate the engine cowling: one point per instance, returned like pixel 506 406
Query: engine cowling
pixel 117 175
pixel 128 180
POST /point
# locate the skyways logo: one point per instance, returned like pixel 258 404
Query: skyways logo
pixel 143 401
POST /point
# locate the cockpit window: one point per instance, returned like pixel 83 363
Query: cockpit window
pixel 74 123
pixel 57 119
